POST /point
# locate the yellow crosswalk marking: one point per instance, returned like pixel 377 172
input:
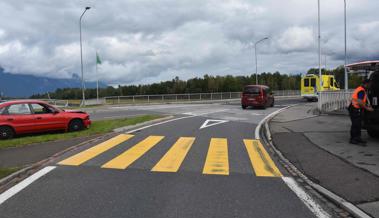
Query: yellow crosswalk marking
pixel 128 157
pixel 172 160
pixel 217 161
pixel 94 151
pixel 261 160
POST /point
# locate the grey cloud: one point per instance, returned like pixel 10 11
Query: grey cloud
pixel 143 41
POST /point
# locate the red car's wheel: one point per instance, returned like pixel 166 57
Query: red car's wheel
pixel 75 125
pixel 6 132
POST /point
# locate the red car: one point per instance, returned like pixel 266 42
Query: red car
pixel 32 116
pixel 257 96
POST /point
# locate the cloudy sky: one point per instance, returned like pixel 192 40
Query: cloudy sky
pixel 143 41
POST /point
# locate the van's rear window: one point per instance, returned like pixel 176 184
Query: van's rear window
pixel 252 90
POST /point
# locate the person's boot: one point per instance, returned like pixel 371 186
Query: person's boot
pixel 361 141
pixel 358 141
pixel 354 142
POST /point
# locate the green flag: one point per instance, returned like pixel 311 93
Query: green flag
pixel 98 61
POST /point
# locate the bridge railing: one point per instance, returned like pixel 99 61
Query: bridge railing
pixel 334 101
pixel 167 98
pixel 188 97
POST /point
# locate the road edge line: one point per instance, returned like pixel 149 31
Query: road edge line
pixel 305 198
pixel 25 183
pixel 339 201
pixel 126 128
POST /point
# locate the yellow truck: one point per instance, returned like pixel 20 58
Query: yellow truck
pixel 310 85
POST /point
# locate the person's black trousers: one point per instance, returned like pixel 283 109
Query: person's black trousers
pixel 356 123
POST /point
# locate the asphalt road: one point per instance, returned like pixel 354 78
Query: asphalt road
pixel 175 169
pixel 116 112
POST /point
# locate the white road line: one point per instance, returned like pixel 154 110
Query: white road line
pixel 307 200
pixel 20 186
pixel 258 128
pixel 172 120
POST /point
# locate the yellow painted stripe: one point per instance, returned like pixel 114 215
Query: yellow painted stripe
pixel 261 160
pixel 217 161
pixel 128 157
pixel 172 160
pixel 94 151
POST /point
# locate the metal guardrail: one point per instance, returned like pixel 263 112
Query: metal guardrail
pixel 167 98
pixel 334 101
pixel 189 97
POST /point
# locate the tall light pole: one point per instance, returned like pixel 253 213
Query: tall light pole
pixel 319 46
pixel 81 55
pixel 256 59
pixel 346 76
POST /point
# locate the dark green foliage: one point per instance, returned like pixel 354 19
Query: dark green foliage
pixel 205 84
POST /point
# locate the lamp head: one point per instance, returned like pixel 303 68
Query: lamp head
pixel 87 8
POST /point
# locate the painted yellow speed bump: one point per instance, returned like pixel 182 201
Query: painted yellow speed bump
pixel 128 157
pixel 172 160
pixel 217 161
pixel 94 151
pixel 260 159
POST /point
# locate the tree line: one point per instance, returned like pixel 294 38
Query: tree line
pixel 205 84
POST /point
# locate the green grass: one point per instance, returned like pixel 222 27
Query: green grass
pixel 97 127
pixel 7 171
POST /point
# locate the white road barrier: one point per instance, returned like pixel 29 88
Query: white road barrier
pixel 334 101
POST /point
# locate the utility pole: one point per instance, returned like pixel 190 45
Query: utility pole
pixel 346 75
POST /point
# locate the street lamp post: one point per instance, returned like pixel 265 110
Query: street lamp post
pixel 256 59
pixel 81 55
pixel 346 75
pixel 319 46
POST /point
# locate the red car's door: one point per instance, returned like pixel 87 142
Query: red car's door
pixel 46 119
pixel 19 116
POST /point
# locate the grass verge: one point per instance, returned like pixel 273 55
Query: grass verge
pixel 7 171
pixel 97 127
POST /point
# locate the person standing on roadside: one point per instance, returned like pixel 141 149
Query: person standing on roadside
pixel 358 104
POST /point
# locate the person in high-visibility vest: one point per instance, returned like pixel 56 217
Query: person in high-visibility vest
pixel 358 104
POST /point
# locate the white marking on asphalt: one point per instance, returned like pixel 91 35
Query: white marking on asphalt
pixel 258 128
pixel 257 114
pixel 172 120
pixel 308 201
pixel 212 123
pixel 26 182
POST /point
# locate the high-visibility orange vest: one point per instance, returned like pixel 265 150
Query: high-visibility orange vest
pixel 354 99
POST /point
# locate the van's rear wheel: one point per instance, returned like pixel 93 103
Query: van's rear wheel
pixel 244 107
pixel 6 132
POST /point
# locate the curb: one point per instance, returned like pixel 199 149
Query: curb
pixel 342 203
pixel 21 174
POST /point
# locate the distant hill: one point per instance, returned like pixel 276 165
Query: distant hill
pixel 18 85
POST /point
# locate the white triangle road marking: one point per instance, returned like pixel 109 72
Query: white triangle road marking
pixel 209 123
